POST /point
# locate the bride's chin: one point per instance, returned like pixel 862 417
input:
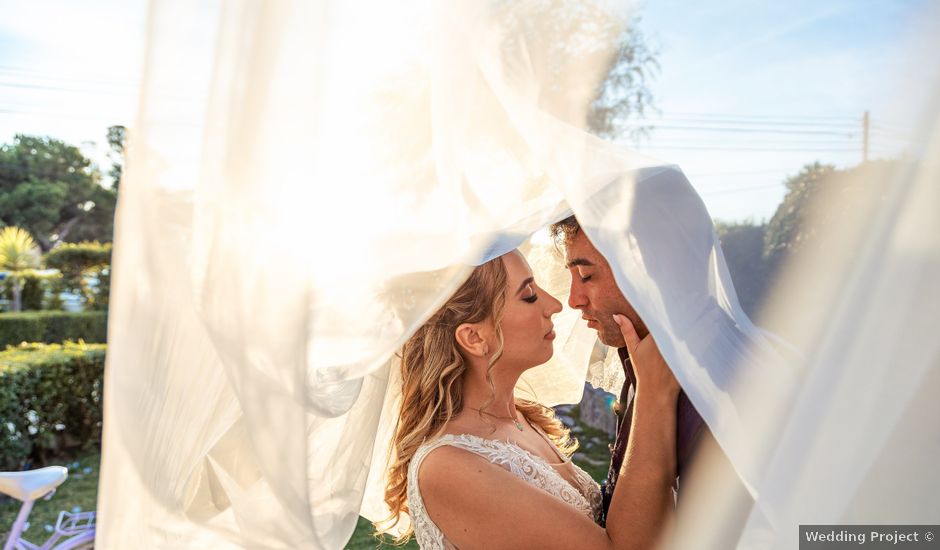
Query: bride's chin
pixel 537 363
pixel 534 360
pixel 546 357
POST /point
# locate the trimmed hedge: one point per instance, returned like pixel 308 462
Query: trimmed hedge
pixel 50 402
pixel 76 261
pixel 52 327
pixel 72 259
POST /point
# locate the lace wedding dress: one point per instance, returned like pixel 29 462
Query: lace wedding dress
pixel 586 497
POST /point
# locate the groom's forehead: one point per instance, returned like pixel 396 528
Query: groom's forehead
pixel 581 252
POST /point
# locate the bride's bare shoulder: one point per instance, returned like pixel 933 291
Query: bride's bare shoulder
pixel 445 464
pixel 449 468
pixel 477 503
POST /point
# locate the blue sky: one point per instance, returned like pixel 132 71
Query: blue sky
pixel 748 92
pixel 69 69
pixel 804 71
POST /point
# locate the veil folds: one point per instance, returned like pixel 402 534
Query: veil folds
pixel 305 185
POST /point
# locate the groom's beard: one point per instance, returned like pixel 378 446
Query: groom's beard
pixel 609 333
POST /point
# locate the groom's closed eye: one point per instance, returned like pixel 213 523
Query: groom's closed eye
pixel 584 274
pixel 580 263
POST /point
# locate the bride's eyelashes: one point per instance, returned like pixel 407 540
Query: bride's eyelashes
pixel 533 298
pixel 585 278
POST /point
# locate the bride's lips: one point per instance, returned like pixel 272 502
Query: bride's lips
pixel 550 335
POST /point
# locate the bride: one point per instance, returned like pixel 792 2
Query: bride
pixel 476 467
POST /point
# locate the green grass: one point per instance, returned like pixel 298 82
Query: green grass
pixel 79 490
pixel 364 539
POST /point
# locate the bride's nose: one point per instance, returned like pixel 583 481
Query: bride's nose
pixel 553 306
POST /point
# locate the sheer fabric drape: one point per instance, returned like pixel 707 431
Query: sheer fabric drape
pixel 307 181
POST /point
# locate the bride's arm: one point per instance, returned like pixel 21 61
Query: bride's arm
pixel 643 503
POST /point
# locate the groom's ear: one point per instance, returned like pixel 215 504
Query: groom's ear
pixel 470 339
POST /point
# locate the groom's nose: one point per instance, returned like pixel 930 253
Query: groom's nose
pixel 577 299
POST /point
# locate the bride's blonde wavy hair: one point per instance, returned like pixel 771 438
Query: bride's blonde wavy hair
pixel 432 369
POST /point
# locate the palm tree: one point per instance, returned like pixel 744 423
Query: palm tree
pixel 18 254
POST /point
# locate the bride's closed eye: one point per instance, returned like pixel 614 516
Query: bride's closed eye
pixel 531 298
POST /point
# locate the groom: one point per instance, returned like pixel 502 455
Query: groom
pixel 595 293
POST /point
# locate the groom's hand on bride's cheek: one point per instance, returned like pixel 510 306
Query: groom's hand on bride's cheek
pixel 648 363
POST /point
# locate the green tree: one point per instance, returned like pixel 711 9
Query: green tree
pixel 97 224
pixel 78 261
pixel 116 137
pixel 625 92
pixel 818 206
pixel 785 229
pixel 561 39
pixel 18 255
pixel 743 247
pixel 51 189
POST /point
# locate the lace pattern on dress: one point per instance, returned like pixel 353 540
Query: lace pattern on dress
pixel 531 468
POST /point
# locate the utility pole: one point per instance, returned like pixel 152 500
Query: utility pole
pixel 865 126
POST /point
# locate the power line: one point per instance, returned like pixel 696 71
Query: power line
pixel 749 144
pixel 83 77
pixel 741 173
pixel 738 122
pixel 768 149
pixel 845 118
pixel 78 116
pixel 754 130
pixel 746 189
pixel 63 89
pixel 721 145
pixel 749 140
pixel 890 128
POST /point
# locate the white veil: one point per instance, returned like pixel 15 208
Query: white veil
pixel 304 186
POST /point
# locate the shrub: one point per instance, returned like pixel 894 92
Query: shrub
pixel 74 258
pixel 52 327
pixel 35 287
pixel 33 291
pixel 76 262
pixel 50 402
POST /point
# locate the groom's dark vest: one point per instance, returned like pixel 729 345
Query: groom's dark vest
pixel 690 428
pixel 693 439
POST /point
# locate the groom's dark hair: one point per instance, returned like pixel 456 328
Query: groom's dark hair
pixel 565 230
